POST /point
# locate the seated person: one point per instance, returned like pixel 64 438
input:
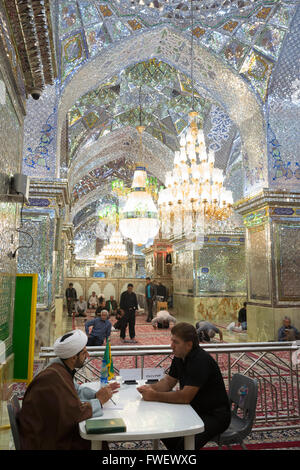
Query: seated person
pixel 93 301
pixel 111 305
pixel 242 317
pixel 201 385
pixel 206 331
pixel 119 315
pixel 101 329
pixel 81 307
pixel 163 319
pixel 288 332
pixel 100 307
pixel 54 403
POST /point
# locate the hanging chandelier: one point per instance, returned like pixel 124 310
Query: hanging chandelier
pixel 102 260
pixel 194 190
pixel 139 217
pixel 116 250
pixel 194 193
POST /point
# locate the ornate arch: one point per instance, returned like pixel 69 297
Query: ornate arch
pixel 212 77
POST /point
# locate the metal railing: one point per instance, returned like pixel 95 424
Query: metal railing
pixel 273 364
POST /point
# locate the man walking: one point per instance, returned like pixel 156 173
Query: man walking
pixel 150 296
pixel 128 306
pixel 71 296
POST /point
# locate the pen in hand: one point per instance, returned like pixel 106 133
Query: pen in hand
pixel 113 401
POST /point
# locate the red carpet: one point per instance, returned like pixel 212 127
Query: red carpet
pixel 262 446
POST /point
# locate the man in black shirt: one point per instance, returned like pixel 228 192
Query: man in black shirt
pixel 128 306
pixel 162 291
pixel 201 385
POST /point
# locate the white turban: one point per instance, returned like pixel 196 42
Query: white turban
pixel 71 345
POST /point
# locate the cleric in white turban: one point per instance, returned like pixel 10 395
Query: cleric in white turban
pixel 70 344
pixel 54 403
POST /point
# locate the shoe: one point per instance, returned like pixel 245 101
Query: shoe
pixel 133 341
pixel 113 329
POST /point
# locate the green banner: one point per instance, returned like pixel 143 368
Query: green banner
pixel 24 326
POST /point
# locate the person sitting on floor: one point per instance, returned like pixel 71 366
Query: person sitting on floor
pixel 111 305
pixel 206 331
pixel 54 403
pixel 100 307
pixel 242 317
pixel 81 307
pixel 119 315
pixel 93 301
pixel 288 332
pixel 101 329
pixel 163 319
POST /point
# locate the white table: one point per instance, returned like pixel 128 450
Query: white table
pixel 146 420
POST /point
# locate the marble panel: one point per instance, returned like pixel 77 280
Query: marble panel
pixel 183 271
pixel 258 263
pixel 218 309
pixel 288 261
pixel 220 269
pixel 36 256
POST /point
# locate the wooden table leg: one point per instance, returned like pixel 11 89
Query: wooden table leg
pixel 189 442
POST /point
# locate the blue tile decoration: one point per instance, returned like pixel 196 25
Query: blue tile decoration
pixel 283 211
pixel 39 156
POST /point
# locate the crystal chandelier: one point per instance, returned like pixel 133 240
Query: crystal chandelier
pixel 194 190
pixel 194 193
pixel 139 217
pixel 102 260
pixel 116 250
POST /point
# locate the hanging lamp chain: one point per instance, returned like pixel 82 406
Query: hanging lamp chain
pixel 192 55
pixel 140 128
